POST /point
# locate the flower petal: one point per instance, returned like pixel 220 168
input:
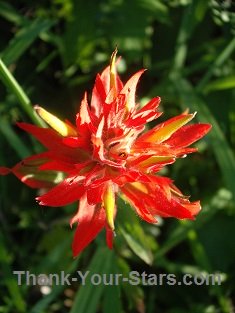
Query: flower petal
pixel 188 134
pixel 4 170
pixel 136 199
pixel 48 137
pixel 69 190
pixel 63 128
pixel 164 130
pixel 29 172
pixel 91 220
pixel 129 90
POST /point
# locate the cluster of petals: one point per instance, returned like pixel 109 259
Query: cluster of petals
pixel 109 152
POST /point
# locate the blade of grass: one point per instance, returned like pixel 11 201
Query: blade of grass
pixel 223 56
pixel 10 14
pixel 15 142
pixel 193 14
pixel 201 258
pixel 223 83
pixel 13 86
pixel 8 279
pixel 133 233
pixel 48 265
pixel 23 39
pixel 88 295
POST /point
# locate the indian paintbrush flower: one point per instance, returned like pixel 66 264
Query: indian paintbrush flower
pixel 107 153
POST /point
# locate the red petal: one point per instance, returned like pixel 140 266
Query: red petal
pixel 171 207
pixel 129 89
pixel 59 166
pixel 4 170
pixel 105 77
pixel 77 142
pixel 98 96
pixel 91 220
pixel 137 200
pixel 164 131
pixel 28 171
pixel 52 141
pixel 94 195
pixel 146 114
pixel 71 189
pixel 188 134
pixel 48 137
pixel 152 105
pixel 109 237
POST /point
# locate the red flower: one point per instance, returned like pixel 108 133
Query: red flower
pixel 108 152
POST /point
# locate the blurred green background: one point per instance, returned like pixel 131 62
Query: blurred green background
pixel 54 50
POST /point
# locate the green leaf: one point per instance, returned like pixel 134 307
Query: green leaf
pixel 135 237
pixel 9 280
pixel 221 84
pixel 112 299
pixel 24 38
pixel 10 14
pixel 88 295
pixel 11 83
pixel 222 57
pixel 13 140
pixel 80 36
pixel 49 264
pixel 193 14
pixel 157 8
pixel 134 293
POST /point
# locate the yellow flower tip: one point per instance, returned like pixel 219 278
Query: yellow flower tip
pixel 109 205
pixel 168 129
pixel 140 187
pixel 64 129
pixel 113 70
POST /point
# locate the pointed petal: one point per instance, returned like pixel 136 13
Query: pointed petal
pixel 48 137
pixel 137 200
pixel 129 90
pixel 94 195
pixel 63 128
pixel 98 96
pixel 57 166
pixel 164 130
pixel 170 202
pixel 54 142
pixel 77 142
pixel 145 114
pixel 105 77
pixel 171 207
pixel 113 73
pixel 109 237
pixel 109 204
pixel 90 223
pixel 85 120
pixel 69 190
pixel 187 135
pixel 4 170
pixel 28 171
pixel 153 160
pixel 152 105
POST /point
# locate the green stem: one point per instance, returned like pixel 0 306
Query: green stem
pixel 15 88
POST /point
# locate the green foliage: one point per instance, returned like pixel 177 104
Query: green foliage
pixel 50 54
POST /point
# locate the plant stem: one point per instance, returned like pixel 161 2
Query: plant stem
pixel 11 83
